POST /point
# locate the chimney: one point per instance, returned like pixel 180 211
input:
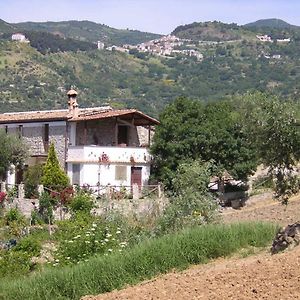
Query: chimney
pixel 72 103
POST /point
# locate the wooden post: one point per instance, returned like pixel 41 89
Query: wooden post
pixel 159 188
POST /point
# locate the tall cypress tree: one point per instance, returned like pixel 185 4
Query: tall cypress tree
pixel 54 177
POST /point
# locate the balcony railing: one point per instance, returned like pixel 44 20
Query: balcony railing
pixel 108 154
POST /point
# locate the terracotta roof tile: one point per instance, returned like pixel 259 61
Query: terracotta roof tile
pixel 139 117
pixel 85 114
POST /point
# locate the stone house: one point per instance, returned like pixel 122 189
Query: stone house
pixel 95 146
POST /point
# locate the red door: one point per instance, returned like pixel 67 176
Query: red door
pixel 136 176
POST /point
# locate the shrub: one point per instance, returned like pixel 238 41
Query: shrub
pixel 82 202
pixel 13 215
pixel 191 203
pixel 14 263
pixel 54 177
pixel 29 245
pixel 46 204
pixel 32 178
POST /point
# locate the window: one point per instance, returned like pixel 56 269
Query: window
pixel 20 131
pixel 121 173
pixel 122 135
pixel 76 174
pixel 46 137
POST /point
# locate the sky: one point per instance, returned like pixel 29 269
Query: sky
pixel 157 16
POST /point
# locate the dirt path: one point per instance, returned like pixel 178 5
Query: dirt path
pixel 261 276
pixel 266 210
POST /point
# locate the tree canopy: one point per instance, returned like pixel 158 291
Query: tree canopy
pixel 275 134
pixel 13 151
pixel 215 132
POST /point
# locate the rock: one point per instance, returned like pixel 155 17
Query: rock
pixel 287 237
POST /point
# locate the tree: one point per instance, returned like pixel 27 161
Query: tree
pixel 13 151
pixel 190 130
pixel 276 136
pixel 54 177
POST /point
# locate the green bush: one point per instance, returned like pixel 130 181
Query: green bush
pixel 14 263
pixel 192 203
pixel 46 205
pixel 32 178
pixel 14 216
pixel 28 245
pixel 82 202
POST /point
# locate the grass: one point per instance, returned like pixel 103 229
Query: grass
pixel 143 261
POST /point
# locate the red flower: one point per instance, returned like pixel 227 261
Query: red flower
pixel 2 196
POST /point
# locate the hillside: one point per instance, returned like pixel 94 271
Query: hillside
pixel 212 31
pixel 270 23
pixel 145 81
pixel 6 27
pixel 89 32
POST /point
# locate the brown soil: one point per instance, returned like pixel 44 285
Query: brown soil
pixel 261 276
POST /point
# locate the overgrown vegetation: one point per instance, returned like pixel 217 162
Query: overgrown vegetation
pixel 151 257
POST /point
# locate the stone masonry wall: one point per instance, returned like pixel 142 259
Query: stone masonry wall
pixel 33 136
pixel 57 135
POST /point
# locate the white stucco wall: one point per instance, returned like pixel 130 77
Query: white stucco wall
pixel 89 174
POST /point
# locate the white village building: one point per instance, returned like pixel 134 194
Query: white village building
pixel 96 146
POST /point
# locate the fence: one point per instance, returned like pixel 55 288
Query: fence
pixel 127 200
pixel 99 191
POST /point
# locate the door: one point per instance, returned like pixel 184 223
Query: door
pixel 123 135
pixel 136 176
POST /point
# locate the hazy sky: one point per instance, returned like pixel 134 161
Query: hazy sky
pixel 159 16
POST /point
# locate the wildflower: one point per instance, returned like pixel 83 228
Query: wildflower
pixel 96 241
pixel 108 235
pixel 93 229
pixel 87 234
pixel 118 231
pixel 71 241
pixel 106 240
pixel 109 250
pixel 94 225
pixel 123 244
pixel 68 257
pixel 87 242
pixel 57 260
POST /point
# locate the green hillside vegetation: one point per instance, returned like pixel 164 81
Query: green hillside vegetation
pixel 89 32
pixel 6 27
pixel 270 23
pixel 147 82
pixel 46 42
pixel 212 31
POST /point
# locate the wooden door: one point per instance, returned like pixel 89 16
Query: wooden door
pixel 136 176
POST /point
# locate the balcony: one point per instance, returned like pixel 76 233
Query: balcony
pixel 108 154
